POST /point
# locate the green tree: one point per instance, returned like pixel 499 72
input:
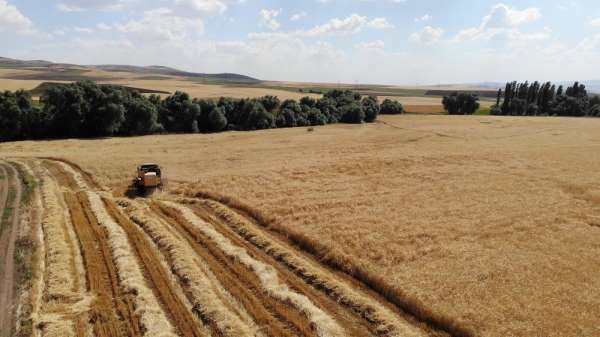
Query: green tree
pixel 370 108
pixel 389 107
pixel 461 103
pixel 353 113
pixel 11 117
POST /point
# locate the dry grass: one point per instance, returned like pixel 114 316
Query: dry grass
pixel 151 314
pixel 325 325
pixel 486 220
pixel 206 294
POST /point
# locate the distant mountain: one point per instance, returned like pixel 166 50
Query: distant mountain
pixel 65 71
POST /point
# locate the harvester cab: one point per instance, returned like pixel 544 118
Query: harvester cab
pixel 149 177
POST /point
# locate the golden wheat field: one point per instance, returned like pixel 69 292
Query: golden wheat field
pixel 412 226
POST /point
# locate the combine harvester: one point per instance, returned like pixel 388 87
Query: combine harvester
pixel 149 179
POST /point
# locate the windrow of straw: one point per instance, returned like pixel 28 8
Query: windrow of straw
pixel 79 180
pixel 152 317
pixel 205 292
pixel 63 298
pixel 388 323
pixel 39 262
pixel 325 325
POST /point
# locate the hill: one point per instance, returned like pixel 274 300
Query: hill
pixel 45 70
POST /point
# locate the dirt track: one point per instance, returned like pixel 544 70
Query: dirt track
pixel 212 270
pixel 10 200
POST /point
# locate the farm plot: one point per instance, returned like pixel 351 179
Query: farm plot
pixel 113 266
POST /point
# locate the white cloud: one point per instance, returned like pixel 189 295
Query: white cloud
pixel 351 25
pixel 162 25
pixel 103 26
pixel 429 35
pixel 12 20
pixel 379 23
pixel 423 18
pixel 376 46
pixel 298 16
pixel 595 22
pixel 268 18
pixel 503 22
pixel 83 30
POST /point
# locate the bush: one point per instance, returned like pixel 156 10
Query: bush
pixel 315 117
pixel 286 119
pixel 217 120
pixel 259 118
pixel 353 113
pixel 370 108
pixel 389 107
pixel 461 103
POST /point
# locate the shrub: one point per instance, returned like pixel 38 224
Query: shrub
pixel 389 107
pixel 352 113
pixel 370 108
pixel 286 119
pixel 315 117
pixel 217 120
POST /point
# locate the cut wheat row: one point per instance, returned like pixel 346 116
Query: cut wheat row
pixel 325 325
pixel 152 317
pixel 213 303
pixel 387 322
pixel 64 298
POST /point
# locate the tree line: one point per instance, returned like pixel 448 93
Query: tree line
pixel 86 109
pixel 545 99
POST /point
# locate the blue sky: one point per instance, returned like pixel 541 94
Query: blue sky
pixel 364 41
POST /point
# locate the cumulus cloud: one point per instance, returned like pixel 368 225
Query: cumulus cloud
pixel 428 35
pixel 504 22
pixel 268 18
pixel 12 20
pixel 162 25
pixel 351 25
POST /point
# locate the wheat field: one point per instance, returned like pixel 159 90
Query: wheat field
pixel 489 224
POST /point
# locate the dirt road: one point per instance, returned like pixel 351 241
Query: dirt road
pixel 10 201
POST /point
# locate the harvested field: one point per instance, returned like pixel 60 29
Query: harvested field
pixel 414 226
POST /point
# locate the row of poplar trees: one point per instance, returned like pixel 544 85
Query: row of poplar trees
pixel 545 99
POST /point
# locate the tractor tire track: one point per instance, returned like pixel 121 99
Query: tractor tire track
pixel 274 317
pixel 182 318
pixel 8 236
pixel 112 312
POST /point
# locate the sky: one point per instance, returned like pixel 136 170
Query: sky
pixel 407 42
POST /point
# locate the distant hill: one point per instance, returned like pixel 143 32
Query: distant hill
pixel 46 70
